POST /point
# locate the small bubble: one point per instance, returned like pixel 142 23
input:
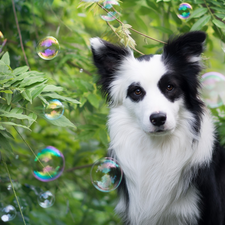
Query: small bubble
pixel 111 15
pixel 46 199
pixel 48 48
pixel 54 110
pixel 106 174
pixel 81 70
pixel 184 10
pixel 49 164
pixel 8 213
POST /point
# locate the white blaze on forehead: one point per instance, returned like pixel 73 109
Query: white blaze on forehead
pixel 146 73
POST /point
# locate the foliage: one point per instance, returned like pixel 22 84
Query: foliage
pixel 81 134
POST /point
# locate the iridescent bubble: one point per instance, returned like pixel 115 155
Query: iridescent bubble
pixel 2 41
pixel 108 4
pixel 81 70
pixel 48 48
pixel 54 110
pixel 8 213
pixel 48 164
pixel 213 91
pixel 46 199
pixel 106 174
pixel 184 10
pixel 110 16
pixel 1 35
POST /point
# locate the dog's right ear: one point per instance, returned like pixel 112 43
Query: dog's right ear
pixel 107 58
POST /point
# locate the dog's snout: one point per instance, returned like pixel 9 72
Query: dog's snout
pixel 158 119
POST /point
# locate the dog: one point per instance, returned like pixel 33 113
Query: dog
pixel 162 135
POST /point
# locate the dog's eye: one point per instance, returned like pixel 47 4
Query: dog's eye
pixel 169 87
pixel 138 91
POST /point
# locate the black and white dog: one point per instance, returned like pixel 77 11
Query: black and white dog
pixel 162 134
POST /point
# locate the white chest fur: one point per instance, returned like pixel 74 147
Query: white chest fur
pixel 157 169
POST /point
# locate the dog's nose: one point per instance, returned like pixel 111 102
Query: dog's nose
pixel 158 119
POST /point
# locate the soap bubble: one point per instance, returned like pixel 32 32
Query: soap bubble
pixel 2 41
pixel 106 174
pixel 54 110
pixel 48 48
pixel 108 4
pixel 46 199
pixel 213 90
pixel 1 35
pixel 184 10
pixel 48 164
pixel 110 16
pixel 8 213
pixel 81 70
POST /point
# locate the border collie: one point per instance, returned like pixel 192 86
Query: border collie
pixel 162 134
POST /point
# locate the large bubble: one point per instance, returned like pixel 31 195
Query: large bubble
pixel 49 164
pixel 8 213
pixel 54 109
pixel 184 10
pixel 106 174
pixel 213 90
pixel 48 48
pixel 46 199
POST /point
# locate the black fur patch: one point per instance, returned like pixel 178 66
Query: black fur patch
pixel 177 57
pixel 108 59
pixel 131 92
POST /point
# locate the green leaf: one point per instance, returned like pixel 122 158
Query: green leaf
pixel 4 143
pixel 5 59
pixel 20 70
pixel 14 115
pixel 13 124
pixel 29 81
pixel 93 99
pixel 37 91
pixel 7 91
pixel 57 96
pixel 52 88
pixel 219 23
pixel 27 95
pixel 201 23
pixel 8 98
pixel 198 13
pixel 33 116
pixel 62 122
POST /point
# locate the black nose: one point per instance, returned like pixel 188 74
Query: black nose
pixel 158 119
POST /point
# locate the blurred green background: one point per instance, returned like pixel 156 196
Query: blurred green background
pixel 81 134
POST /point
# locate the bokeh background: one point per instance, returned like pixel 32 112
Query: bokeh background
pixel 81 133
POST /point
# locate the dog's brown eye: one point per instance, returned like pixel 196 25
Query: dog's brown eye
pixel 169 87
pixel 138 91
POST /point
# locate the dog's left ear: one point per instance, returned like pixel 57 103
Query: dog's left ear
pixel 186 48
pixel 107 58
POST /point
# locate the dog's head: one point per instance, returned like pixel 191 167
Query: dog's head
pixel 153 88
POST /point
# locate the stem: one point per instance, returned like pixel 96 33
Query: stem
pixel 14 191
pixel 18 28
pixel 79 167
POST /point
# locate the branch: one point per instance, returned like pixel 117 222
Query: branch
pixel 18 28
pixel 74 65
pixel 132 28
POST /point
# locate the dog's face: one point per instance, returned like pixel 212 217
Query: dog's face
pixel 152 88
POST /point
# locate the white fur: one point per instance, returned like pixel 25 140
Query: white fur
pixel 156 166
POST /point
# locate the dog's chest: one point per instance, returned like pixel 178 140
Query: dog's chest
pixel 158 192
